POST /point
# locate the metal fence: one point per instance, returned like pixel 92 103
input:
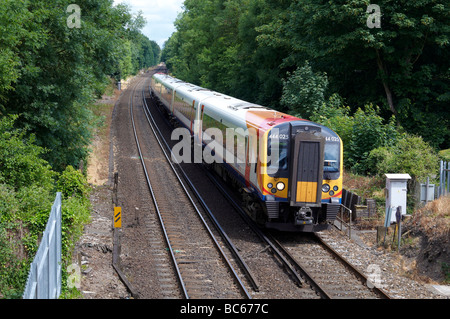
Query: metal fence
pixel 444 180
pixel 44 278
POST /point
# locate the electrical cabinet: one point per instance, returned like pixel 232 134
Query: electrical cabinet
pixel 396 190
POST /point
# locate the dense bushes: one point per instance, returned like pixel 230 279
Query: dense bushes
pixel 27 191
pixel 26 183
pixel 76 210
pixel 376 148
pixel 72 183
pixel 411 154
pixel 20 159
pixel 368 132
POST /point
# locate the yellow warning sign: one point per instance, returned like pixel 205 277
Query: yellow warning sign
pixel 117 217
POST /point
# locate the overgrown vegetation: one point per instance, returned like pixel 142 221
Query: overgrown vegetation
pixel 322 62
pixel 25 206
pixel 445 155
pixel 50 73
pixel 433 219
pixel 432 222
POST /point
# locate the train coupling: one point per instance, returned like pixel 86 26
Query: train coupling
pixel 304 216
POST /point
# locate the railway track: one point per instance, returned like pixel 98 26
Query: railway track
pixel 297 271
pixel 236 255
pixel 202 267
pixel 310 278
pixel 337 277
pixel 311 261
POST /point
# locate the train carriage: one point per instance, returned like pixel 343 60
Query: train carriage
pixel 289 170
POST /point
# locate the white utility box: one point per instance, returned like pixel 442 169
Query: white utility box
pixel 396 189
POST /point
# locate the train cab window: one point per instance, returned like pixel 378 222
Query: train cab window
pixel 331 157
pixel 278 152
pixel 331 166
pixel 280 162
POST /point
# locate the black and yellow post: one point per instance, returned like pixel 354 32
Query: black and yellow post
pixel 117 210
pixel 117 217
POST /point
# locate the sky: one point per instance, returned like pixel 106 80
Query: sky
pixel 160 16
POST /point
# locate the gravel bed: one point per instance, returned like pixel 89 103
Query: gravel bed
pixel 392 272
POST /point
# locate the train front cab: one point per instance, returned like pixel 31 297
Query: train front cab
pixel 309 164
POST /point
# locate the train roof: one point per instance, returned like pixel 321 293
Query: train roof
pixel 238 112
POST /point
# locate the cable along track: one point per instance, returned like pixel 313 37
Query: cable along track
pixel 202 267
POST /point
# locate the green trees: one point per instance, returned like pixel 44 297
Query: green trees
pixel 402 66
pixel 258 51
pixel 304 92
pixel 216 46
pixel 50 69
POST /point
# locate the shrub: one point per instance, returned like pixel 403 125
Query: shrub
pixel 411 155
pixel 13 271
pixel 20 159
pixel 445 155
pixel 303 91
pixel 72 183
pixel 75 214
pixel 360 133
pixel 368 133
pixel 27 191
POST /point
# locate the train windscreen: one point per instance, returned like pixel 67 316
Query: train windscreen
pixel 331 162
pixel 278 151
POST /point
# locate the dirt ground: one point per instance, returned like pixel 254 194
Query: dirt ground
pixel 99 280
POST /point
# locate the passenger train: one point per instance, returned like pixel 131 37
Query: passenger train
pixel 289 170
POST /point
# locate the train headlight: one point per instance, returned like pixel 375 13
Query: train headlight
pixel 280 186
pixel 325 188
pixel 335 188
pixel 270 185
pixel 331 193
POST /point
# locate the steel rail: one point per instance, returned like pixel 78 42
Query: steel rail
pixel 280 254
pixel 380 292
pixel 307 277
pixel 166 237
pixel 302 269
pixel 252 279
pixel 225 258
